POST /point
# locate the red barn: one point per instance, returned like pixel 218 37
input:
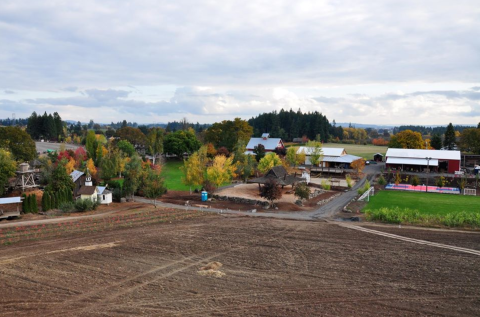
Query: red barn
pixel 418 160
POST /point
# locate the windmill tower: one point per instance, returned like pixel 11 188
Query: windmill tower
pixel 25 177
pixel 88 179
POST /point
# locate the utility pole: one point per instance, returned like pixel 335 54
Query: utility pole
pixel 428 171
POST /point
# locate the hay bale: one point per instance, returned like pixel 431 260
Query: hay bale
pixel 210 272
pixel 211 266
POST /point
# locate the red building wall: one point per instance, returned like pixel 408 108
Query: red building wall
pixel 453 166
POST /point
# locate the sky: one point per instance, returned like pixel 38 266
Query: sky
pixel 154 61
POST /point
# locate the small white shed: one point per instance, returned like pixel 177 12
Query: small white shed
pixel 104 195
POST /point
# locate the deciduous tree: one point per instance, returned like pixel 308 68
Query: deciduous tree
pixel 18 142
pixel 133 170
pixel 221 171
pixel 269 161
pixel 8 167
pixel 407 139
pixel 316 153
pixel 155 142
pixel 193 171
pixel 358 165
pixel 271 191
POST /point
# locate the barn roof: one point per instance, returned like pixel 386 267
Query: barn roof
pixel 326 151
pixel 269 143
pixel 75 175
pixel 422 154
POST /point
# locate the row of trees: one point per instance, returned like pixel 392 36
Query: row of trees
pixel 409 139
pixel 47 126
pixel 290 124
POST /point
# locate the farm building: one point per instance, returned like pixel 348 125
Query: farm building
pixel 332 157
pixel 418 160
pixel 79 179
pixel 279 174
pixel 104 195
pixel 270 144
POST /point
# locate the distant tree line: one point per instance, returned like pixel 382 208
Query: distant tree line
pixel 9 122
pixel 47 126
pixel 429 130
pixel 290 124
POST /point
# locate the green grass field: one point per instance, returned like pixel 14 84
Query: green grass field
pixel 173 176
pixel 365 151
pixel 432 204
pixel 424 209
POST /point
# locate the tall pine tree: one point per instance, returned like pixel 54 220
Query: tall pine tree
pixel 449 140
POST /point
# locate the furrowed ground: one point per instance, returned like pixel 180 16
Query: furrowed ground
pixel 271 268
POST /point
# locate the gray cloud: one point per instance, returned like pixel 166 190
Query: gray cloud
pixel 191 43
pixel 9 92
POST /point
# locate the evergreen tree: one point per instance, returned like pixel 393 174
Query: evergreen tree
pixel 44 201
pixel 56 200
pixel 436 142
pixel 34 204
pixel 449 140
pixel 24 203
pixel 48 202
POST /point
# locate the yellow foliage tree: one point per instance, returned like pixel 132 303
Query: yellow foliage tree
pixel 91 167
pixel 193 171
pixel 270 160
pixel 70 166
pixel 221 171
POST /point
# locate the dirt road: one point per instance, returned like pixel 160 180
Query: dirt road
pixel 272 268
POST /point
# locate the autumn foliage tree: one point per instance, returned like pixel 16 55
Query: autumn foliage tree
pixel 269 161
pixel 193 171
pixel 380 142
pixel 407 139
pixel 358 165
pixel 271 191
pixel 221 171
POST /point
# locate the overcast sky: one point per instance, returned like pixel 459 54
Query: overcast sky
pixel 363 61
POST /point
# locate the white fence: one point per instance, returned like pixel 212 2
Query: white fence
pixel 367 194
pixel 470 192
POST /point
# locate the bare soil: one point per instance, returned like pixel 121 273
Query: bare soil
pixel 284 204
pixel 269 268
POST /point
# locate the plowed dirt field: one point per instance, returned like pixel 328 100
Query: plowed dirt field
pixel 268 268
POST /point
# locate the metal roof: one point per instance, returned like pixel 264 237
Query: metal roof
pixel 75 175
pixel 10 200
pixel 434 154
pixel 411 161
pixel 269 144
pixel 101 189
pixel 326 151
pixel 341 159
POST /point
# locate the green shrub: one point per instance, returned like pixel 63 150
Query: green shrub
pixel 67 206
pixel 365 187
pixel 115 184
pixel 348 179
pixel 381 180
pixel 85 205
pixel 117 194
pixel 326 184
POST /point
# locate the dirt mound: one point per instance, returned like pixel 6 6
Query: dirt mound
pixel 211 273
pixel 211 266
pixel 211 269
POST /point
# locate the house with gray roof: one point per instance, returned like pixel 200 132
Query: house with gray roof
pixel 332 157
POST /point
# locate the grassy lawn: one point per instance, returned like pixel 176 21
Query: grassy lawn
pixel 173 176
pixel 431 204
pixel 424 209
pixel 365 151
